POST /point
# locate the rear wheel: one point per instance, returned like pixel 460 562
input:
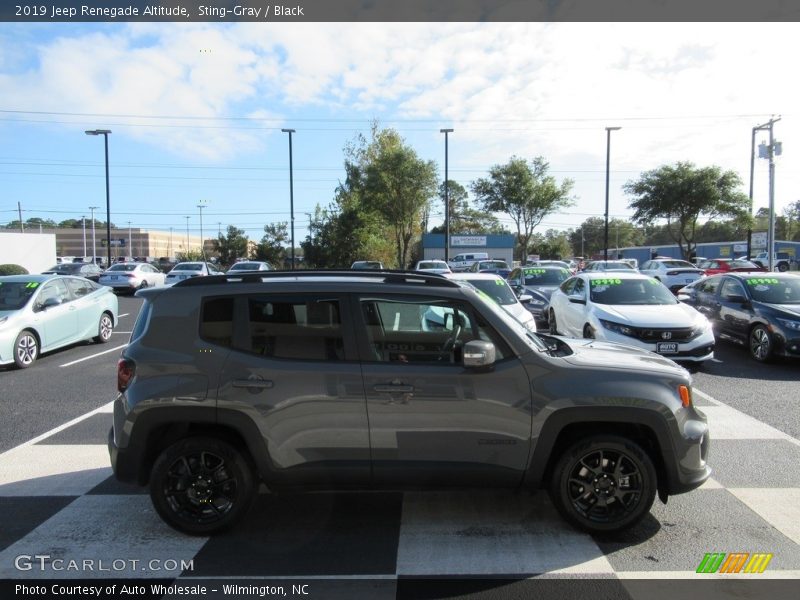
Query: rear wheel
pixel 104 329
pixel 26 349
pixel 604 483
pixel 143 285
pixel 783 267
pixel 760 343
pixel 201 485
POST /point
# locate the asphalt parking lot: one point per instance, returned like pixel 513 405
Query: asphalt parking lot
pixel 57 497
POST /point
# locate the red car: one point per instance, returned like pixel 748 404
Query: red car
pixel 713 266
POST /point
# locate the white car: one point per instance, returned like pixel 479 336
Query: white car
pixel 248 265
pixel 500 291
pixel 631 309
pixel 432 266
pixel 672 272
pixel 132 276
pixel 187 270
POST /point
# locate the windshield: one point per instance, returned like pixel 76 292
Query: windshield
pixel 245 266
pixel 15 294
pixel 433 265
pixel 493 264
pixel 496 289
pixel 773 290
pixel 677 264
pixel 189 267
pixel 743 264
pixel 65 268
pixel 626 292
pixel 545 276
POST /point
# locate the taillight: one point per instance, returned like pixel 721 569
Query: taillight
pixel 126 369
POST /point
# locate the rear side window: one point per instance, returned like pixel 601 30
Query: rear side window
pixel 216 321
pixel 304 328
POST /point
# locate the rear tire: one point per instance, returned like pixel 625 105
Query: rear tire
pixel 604 483
pixel 104 329
pixel 783 267
pixel 201 485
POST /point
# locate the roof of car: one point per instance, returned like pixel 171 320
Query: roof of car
pixel 35 277
pixel 469 275
pixel 614 275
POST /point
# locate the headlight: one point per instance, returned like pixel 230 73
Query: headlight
pixel 791 325
pixel 618 328
pixel 537 302
pixel 701 327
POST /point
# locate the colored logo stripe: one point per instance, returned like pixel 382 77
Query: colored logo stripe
pixel 734 562
pixel 711 562
pixel 758 563
pixel 714 562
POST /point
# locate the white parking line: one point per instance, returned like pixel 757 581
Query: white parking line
pixel 120 332
pixel 123 315
pixel 75 362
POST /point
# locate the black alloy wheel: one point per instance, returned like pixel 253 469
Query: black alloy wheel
pixel 201 486
pixel 603 484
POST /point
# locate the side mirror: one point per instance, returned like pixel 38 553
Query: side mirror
pixel 577 299
pixel 51 302
pixel 736 299
pixel 478 353
pixel 525 298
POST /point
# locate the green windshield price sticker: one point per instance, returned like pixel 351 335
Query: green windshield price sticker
pixel 32 285
pixel 535 271
pixel 499 282
pixel 596 282
pixel 763 281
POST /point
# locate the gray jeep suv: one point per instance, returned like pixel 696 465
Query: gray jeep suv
pixel 386 379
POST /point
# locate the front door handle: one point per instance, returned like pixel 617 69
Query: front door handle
pixel 394 388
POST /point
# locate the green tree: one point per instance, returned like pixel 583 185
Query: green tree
pixel 231 246
pixel 271 248
pixel 398 186
pixel 681 194
pixel 525 192
pixel 621 234
pixel 552 245
pixel 792 215
pixel 71 224
pixel 465 220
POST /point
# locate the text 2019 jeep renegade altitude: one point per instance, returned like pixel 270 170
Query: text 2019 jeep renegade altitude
pixel 332 380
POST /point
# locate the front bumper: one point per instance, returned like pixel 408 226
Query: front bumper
pixel 698 349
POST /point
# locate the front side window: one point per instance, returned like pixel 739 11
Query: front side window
pixel 53 289
pixel 424 331
pixel 731 288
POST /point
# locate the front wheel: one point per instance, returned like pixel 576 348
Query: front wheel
pixel 201 485
pixel 588 332
pixel 604 483
pixel 761 344
pixel 552 324
pixel 26 349
pixel 104 329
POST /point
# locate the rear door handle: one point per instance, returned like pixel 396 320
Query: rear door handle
pixel 253 384
pixel 394 389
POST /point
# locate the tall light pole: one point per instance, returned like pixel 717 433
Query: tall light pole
pixel 83 220
pixel 169 253
pixel 608 170
pixel 446 198
pixel 104 133
pixel 201 205
pixel 130 238
pixel 187 236
pixel 291 189
pixel 94 241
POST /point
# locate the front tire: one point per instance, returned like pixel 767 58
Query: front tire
pixel 760 344
pixel 201 485
pixel 552 324
pixel 603 484
pixel 104 329
pixel 588 332
pixel 26 349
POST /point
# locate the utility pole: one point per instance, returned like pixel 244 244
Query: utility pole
pixel 21 224
pixel 94 239
pixel 769 152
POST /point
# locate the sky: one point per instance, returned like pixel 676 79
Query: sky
pixel 196 111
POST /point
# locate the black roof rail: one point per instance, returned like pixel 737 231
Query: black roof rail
pixel 386 275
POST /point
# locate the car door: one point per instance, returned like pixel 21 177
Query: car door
pixel 735 312
pixel 706 300
pixel 574 308
pixel 293 366
pixel 88 306
pixel 431 420
pixel 58 322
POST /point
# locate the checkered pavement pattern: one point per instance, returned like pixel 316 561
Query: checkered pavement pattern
pixel 58 497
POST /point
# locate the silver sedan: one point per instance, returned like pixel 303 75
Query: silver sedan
pixel 130 277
